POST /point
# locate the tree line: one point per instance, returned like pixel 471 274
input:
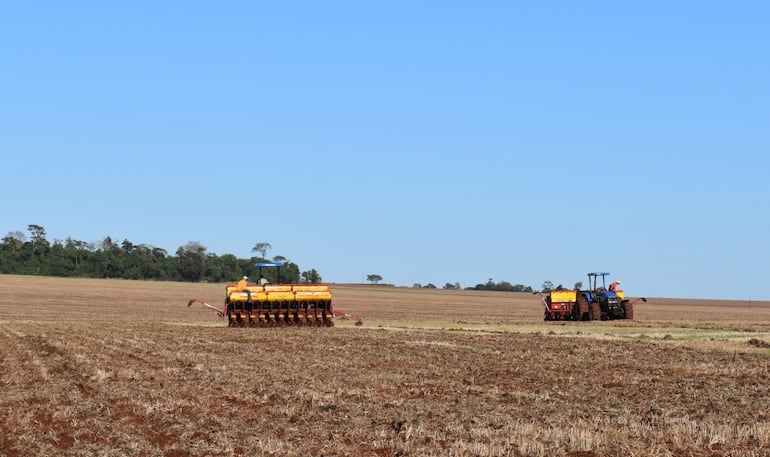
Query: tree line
pixel 35 255
pixel 501 286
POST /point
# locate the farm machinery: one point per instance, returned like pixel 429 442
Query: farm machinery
pixel 263 304
pixel 598 302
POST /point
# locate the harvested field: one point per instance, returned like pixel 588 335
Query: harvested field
pixel 115 368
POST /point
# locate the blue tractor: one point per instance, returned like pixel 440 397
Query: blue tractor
pixel 598 302
pixel 604 302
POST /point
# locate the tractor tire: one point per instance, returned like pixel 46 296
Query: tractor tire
pixel 596 311
pixel 629 309
pixel 582 306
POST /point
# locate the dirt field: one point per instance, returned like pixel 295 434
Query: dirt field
pixel 116 368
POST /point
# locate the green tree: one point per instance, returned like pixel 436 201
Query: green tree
pixel 262 249
pixel 311 277
pixel 14 240
pixel 127 246
pixel 139 261
pixel 213 271
pixel 522 288
pixel 231 267
pixel 502 286
pixel 11 252
pixel 57 262
pixel 108 259
pixel 76 251
pixel 190 261
pixel 374 278
pixel 289 273
pixel 37 238
pixel 112 259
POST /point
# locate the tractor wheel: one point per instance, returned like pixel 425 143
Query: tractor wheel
pixel 628 307
pixel 596 311
pixel 582 306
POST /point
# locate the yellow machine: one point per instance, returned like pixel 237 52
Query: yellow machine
pixel 278 305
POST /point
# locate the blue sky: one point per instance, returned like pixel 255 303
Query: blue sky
pixel 426 142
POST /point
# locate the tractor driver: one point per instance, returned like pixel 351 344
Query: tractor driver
pixel 614 286
pixel 243 286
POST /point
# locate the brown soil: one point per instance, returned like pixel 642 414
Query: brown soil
pixel 107 367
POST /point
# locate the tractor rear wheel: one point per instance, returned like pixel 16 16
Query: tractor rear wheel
pixel 596 311
pixel 582 306
pixel 628 307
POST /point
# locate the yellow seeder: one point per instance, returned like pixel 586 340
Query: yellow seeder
pixel 274 305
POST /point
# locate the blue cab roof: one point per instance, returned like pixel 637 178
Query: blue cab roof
pixel 269 264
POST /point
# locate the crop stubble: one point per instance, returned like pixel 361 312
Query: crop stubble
pixel 102 367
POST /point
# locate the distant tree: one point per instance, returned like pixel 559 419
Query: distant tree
pixel 76 251
pixel 194 247
pixel 37 238
pixel 145 263
pixel 416 285
pixel 502 286
pixel 578 285
pixel 108 259
pixel 11 253
pixel 429 286
pixel 127 246
pixel 450 286
pixel 190 261
pixel 14 239
pixel 37 233
pixel 311 277
pixel 108 245
pixel 213 269
pixel 231 267
pixel 522 288
pixel 290 273
pixel 57 263
pixel 262 249
pixel 547 286
pixel 279 259
pixel 374 278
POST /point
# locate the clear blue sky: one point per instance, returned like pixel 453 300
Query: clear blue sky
pixel 424 141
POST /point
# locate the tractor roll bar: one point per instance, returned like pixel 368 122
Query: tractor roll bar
pixel 277 265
